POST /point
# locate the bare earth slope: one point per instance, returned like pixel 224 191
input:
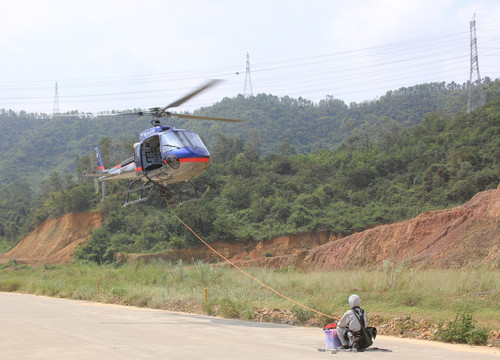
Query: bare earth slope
pixel 445 238
pixel 54 241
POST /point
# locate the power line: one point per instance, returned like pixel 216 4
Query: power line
pixel 442 57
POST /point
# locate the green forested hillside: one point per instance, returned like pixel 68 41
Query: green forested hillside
pixel 33 145
pixel 318 166
pixel 439 163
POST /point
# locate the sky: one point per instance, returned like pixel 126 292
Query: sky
pixel 124 54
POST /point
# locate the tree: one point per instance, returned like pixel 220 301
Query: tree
pixel 226 148
pixel 285 149
pixel 53 182
pixel 252 147
pixel 83 166
pixel 12 226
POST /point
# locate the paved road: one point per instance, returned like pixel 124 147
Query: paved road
pixel 36 327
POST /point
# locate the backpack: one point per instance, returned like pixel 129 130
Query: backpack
pixel 366 334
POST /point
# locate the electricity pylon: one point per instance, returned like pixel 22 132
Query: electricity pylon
pixel 475 96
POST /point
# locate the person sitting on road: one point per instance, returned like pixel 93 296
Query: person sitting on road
pixel 349 328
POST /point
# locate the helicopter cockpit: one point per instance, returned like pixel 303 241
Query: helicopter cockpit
pixel 175 139
pixel 153 149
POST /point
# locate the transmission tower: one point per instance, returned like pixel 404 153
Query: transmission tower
pixel 248 79
pixel 475 96
pixel 55 109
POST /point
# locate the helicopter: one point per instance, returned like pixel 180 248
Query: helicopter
pixel 165 159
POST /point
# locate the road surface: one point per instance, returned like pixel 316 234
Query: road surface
pixel 37 327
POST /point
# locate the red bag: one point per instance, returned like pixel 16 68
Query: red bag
pixel 330 326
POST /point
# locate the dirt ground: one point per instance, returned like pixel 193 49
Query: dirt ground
pixel 54 241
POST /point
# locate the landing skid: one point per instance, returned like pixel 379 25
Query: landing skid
pixel 176 194
pixel 185 193
pixel 143 192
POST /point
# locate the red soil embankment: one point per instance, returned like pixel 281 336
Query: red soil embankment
pixel 54 241
pixel 441 239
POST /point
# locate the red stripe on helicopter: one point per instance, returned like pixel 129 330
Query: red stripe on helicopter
pixel 100 168
pixel 138 169
pixel 197 159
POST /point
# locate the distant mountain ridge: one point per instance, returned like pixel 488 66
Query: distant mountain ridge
pixel 33 145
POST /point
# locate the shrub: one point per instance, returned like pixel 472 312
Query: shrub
pixel 301 314
pixel 10 285
pixel 462 330
pixel 229 308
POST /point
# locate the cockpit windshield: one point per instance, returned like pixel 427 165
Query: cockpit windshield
pixel 179 139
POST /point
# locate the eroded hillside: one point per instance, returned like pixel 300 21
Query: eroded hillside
pixel 446 238
pixel 54 241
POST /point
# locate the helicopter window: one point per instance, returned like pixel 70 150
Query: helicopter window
pixel 180 139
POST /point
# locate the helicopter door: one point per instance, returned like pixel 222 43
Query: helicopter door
pixel 137 156
pixel 150 154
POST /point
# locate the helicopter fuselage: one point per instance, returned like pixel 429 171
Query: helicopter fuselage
pixel 164 155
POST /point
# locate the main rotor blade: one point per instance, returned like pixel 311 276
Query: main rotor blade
pixel 200 117
pixel 136 113
pixel 188 96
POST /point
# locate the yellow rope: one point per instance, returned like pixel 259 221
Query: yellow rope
pixel 247 274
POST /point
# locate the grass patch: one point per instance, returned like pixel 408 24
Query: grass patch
pixel 10 285
pixel 395 291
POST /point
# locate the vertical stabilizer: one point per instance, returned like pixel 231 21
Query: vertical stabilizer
pixel 100 164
